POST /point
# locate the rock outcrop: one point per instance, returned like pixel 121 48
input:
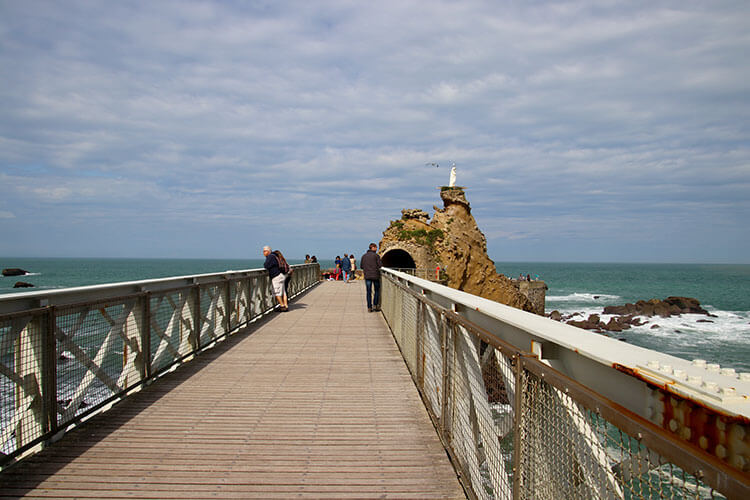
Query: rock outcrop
pixel 452 241
pixel 14 271
pixel 628 315
pixel 22 284
pixel 671 306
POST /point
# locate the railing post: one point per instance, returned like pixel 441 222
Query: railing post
pixel 49 377
pixel 227 307
pixel 31 364
pixel 195 340
pixel 146 336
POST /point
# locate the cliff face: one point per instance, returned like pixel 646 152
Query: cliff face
pixel 453 241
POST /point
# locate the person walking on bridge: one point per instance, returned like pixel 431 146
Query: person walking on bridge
pixel 346 266
pixel 370 264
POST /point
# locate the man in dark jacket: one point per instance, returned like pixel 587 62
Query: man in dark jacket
pixel 370 264
pixel 277 278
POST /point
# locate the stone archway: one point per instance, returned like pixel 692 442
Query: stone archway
pixel 398 259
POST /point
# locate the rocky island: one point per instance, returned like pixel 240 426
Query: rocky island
pixel 14 271
pixel 452 242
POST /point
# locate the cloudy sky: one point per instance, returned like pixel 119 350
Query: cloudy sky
pixel 583 131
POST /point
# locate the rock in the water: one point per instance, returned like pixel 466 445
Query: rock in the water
pixel 22 284
pixel 555 315
pixel 14 271
pixel 592 323
pixel 671 306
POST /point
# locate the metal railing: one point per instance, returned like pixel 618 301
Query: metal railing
pixel 438 275
pixel 67 354
pixel 518 427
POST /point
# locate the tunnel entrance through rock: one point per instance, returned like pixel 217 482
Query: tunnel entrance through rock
pixel 398 259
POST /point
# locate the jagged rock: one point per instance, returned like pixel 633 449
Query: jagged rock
pixel 592 323
pixel 615 326
pixel 453 242
pixel 22 284
pixel 671 306
pixel 415 213
pixel 14 271
pixel 687 305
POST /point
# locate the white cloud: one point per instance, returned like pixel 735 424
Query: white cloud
pixel 601 113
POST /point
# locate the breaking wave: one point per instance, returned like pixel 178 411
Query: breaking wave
pixel 584 297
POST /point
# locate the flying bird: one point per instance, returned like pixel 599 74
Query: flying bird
pixel 432 163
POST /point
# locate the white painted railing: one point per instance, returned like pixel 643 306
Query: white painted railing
pixel 66 354
pixel 531 408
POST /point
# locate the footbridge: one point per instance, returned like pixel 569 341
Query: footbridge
pixel 195 387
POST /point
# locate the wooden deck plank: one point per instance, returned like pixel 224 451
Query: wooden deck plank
pixel 315 403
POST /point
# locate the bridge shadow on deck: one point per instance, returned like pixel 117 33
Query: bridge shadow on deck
pixel 315 402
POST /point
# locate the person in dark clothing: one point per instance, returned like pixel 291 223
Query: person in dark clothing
pixel 370 264
pixel 346 266
pixel 277 278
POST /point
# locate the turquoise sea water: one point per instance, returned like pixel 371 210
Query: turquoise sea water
pixel 724 290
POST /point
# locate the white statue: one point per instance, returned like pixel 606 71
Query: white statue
pixel 453 176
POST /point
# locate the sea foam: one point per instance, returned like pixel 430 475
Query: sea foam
pixel 583 297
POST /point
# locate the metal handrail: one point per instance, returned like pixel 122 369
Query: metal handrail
pixel 460 365
pixel 67 354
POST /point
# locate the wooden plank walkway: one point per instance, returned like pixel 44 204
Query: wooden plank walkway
pixel 316 402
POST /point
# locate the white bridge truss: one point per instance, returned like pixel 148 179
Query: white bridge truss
pixel 66 354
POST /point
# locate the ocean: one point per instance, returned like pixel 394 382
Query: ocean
pixel 723 290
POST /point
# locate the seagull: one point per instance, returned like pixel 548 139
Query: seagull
pixel 432 163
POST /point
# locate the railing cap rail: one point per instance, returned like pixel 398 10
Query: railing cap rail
pixel 20 301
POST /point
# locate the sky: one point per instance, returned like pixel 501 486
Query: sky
pixel 602 131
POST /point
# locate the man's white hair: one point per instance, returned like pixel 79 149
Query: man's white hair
pixel 266 248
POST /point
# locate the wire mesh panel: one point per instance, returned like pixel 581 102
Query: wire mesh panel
pixel 391 304
pixel 294 282
pixel 569 451
pixel 22 344
pixel 409 332
pixel 213 313
pixel 237 303
pixel 432 360
pixel 97 349
pixel 261 296
pixel 173 333
pixel 475 437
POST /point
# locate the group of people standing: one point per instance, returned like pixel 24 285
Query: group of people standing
pixel 345 268
pixel 280 272
pixel 370 265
